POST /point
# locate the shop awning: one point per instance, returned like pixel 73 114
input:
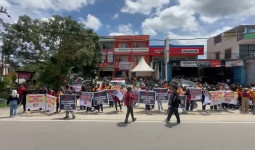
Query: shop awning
pixel 142 66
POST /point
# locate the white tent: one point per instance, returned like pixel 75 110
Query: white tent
pixel 142 67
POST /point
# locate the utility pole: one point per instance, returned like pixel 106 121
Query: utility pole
pixel 166 57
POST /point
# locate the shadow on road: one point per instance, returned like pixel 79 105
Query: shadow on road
pixel 171 125
pixel 122 124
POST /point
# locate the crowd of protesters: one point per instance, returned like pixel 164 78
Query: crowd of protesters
pixel 246 98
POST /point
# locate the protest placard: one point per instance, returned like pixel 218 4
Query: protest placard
pixel 216 97
pixel 68 102
pixel 161 94
pixel 147 97
pixel 50 103
pixel 110 94
pixel 35 101
pixel 100 98
pixel 86 99
pixel 230 97
pixel 196 93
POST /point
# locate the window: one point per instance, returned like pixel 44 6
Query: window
pixel 123 45
pixel 217 55
pixel 218 39
pixel 107 47
pixel 228 54
pixel 246 50
pixel 139 45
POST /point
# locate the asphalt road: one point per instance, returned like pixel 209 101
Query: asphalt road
pixel 103 135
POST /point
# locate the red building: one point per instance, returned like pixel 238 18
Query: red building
pixel 128 50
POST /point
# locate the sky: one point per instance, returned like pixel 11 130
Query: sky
pixel 177 19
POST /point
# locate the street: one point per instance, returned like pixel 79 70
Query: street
pixel 111 135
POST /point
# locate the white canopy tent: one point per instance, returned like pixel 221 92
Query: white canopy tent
pixel 143 69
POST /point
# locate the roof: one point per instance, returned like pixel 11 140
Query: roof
pixel 142 66
pixel 239 29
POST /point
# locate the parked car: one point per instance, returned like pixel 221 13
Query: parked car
pixel 118 81
pixel 187 83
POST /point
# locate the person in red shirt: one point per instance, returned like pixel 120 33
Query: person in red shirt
pixel 51 92
pixel 129 103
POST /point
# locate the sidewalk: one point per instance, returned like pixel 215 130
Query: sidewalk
pixel 139 112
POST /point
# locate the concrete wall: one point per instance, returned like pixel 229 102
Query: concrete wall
pixel 229 42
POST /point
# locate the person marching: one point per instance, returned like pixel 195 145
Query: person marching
pixel 129 103
pixel 69 91
pixel 174 105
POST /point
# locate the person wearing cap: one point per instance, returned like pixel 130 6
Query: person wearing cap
pixel 175 101
pixel 129 97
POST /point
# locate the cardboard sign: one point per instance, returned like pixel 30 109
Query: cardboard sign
pixel 161 94
pixel 216 97
pixel 86 99
pixel 68 102
pixel 230 97
pixel 100 98
pixel 147 97
pixel 35 101
pixel 110 94
pixel 50 103
pixel 196 93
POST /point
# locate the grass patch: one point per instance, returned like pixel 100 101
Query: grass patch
pixel 3 104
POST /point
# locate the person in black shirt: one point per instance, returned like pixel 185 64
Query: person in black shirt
pixel 24 99
pixel 175 101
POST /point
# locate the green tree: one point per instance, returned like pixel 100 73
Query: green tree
pixel 57 45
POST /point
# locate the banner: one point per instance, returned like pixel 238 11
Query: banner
pixel 183 100
pixel 161 94
pixel 147 97
pixel 50 103
pixel 100 98
pixel 230 97
pixel 68 102
pixel 110 94
pixel 35 101
pixel 189 64
pixel 216 97
pixel 196 93
pixel 236 63
pixel 86 99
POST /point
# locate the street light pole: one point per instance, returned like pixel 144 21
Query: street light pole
pixel 166 56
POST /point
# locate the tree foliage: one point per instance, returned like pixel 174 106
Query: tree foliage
pixel 58 45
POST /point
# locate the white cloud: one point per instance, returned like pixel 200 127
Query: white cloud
pixel 213 10
pixel 43 8
pixel 115 16
pixel 143 6
pixel 92 22
pixel 124 30
pixel 171 18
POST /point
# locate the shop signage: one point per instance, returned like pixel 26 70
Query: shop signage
pixel 189 64
pixel 130 49
pixel 209 63
pixel 235 63
pixel 178 51
pixel 190 51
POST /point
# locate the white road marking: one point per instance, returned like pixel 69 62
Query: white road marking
pixel 142 121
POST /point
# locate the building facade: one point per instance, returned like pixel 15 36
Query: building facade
pixel 234 45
